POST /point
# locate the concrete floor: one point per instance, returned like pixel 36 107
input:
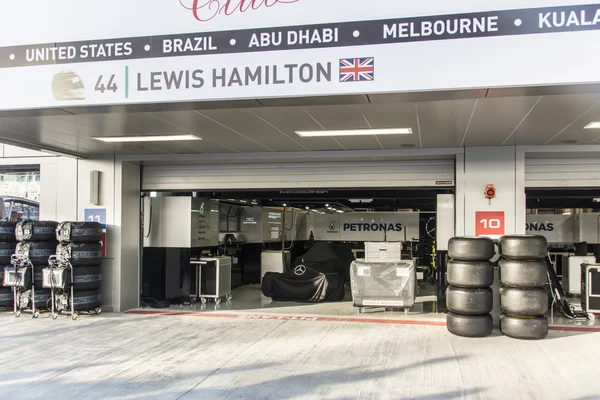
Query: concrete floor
pixel 249 301
pixel 196 356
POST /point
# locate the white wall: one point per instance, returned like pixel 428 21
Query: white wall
pixel 127 234
pixel 119 188
pixel 500 166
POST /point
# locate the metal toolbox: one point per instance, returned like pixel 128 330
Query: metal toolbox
pixel 213 279
pixel 383 284
pixel 56 278
pixel 18 276
pixel 590 288
pixel 383 252
pixel 572 275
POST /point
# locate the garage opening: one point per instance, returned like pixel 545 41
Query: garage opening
pixel 248 233
pixel 569 218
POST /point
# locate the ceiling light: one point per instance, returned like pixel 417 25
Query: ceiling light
pixel 356 132
pixel 340 211
pixel 593 125
pixel 128 139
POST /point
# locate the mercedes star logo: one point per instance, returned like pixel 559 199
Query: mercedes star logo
pixel 300 270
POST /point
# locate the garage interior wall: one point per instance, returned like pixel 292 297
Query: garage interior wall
pixel 481 166
pixel 381 174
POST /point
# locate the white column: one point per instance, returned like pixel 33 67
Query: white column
pixel 120 195
pixel 501 167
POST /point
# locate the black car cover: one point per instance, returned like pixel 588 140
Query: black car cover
pixel 327 258
pixel 304 285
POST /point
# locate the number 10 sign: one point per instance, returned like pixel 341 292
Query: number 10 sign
pixel 489 223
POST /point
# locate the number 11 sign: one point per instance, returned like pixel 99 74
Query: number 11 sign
pixel 489 223
pixel 98 215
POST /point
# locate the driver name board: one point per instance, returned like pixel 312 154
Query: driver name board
pixel 241 49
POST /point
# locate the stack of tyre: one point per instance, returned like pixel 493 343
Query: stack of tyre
pixel 81 244
pixel 37 241
pixel 523 296
pixel 469 298
pixel 8 243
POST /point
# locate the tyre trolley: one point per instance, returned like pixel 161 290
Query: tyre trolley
pixel 58 277
pixel 20 276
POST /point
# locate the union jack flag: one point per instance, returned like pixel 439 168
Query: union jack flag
pixel 357 69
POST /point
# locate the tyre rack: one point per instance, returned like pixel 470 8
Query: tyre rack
pixel 59 285
pixel 15 276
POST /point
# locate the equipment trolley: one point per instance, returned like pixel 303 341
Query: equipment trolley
pixel 213 279
pixel 58 277
pixel 20 276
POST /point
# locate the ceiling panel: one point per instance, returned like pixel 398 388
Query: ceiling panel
pixel 246 123
pixel 291 119
pixel 495 120
pixel 444 123
pixel 338 117
pixel 551 116
pixel 575 132
pixel 34 133
pixel 395 115
pixel 215 136
pixel 486 121
pixel 344 117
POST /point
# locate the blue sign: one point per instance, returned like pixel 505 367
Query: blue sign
pixel 96 215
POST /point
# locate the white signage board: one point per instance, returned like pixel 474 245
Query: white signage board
pixel 367 227
pixel 555 228
pixel 68 53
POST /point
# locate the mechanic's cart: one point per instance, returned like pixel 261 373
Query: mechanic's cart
pixel 213 279
pixel 58 277
pixel 20 276
pixel 387 284
pixel 590 288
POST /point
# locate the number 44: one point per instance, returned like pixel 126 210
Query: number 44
pixel 112 86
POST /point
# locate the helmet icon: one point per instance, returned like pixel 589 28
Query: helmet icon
pixel 67 85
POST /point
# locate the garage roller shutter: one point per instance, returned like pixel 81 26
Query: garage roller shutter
pixel 560 172
pixel 421 173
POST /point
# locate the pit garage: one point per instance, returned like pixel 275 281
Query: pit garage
pixel 255 232
pixel 251 135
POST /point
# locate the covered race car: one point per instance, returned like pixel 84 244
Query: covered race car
pixel 303 284
pixel 328 258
